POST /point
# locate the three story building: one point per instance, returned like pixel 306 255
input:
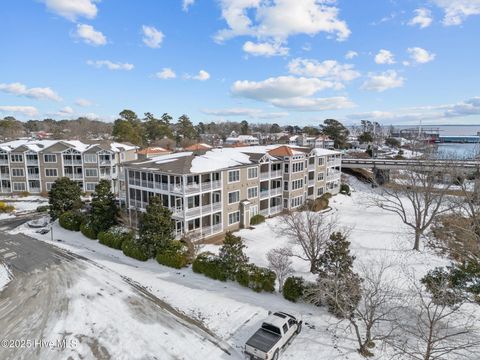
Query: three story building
pixel 219 190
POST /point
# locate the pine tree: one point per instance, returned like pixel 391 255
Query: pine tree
pixel 104 209
pixel 336 131
pixel 232 254
pixel 64 196
pixel 339 285
pixel 156 228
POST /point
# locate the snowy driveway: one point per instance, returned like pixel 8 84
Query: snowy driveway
pixel 72 308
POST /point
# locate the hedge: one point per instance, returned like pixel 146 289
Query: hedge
pixel 114 237
pixel 294 288
pixel 42 208
pixel 345 189
pixel 131 249
pixel 210 265
pixel 257 219
pixel 4 208
pixel 71 220
pixel 256 278
pixel 88 231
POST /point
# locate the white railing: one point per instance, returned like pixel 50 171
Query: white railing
pixel 32 162
pixel 276 191
pixel 264 194
pixel 33 176
pixel 177 212
pixel 72 162
pixel 193 212
pixel 311 182
pixel 138 204
pixel 264 175
pixel 275 174
pixel 3 161
pixel 217 206
pixel 34 189
pixel 6 190
pixel 105 162
pixel 4 176
pixel 105 176
pixel 264 212
pixel 311 166
pixel 276 209
pixel 74 176
pixel 211 185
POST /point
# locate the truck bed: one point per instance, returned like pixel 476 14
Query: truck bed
pixel 263 340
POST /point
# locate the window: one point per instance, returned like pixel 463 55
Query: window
pixel 298 166
pixel 285 185
pixel 297 184
pixel 90 186
pixel 234 176
pixel 234 218
pixel 320 176
pixel 49 185
pixel 252 173
pixel 285 328
pixel 90 158
pixel 19 186
pixel 296 202
pixel 50 158
pixel 16 158
pixel 51 172
pixel 193 201
pixel 252 192
pixel 321 161
pixel 90 172
pixel 17 172
pixel 193 224
pixel 233 197
pixel 320 191
pixel 286 168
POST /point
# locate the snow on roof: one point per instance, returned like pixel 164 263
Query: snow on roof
pixel 117 147
pixel 152 150
pixel 324 152
pixel 217 159
pixel 39 145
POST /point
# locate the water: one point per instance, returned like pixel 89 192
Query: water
pixel 445 130
pixel 461 151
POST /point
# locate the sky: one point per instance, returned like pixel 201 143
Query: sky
pixel 277 61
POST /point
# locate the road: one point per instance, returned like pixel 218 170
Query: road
pixel 57 296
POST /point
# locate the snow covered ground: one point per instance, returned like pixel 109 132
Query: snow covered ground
pixel 24 204
pixel 5 276
pixel 233 312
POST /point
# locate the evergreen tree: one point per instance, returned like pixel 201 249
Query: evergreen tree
pixel 232 254
pixel 156 228
pixel 185 129
pixel 104 209
pixel 64 196
pixel 244 128
pixel 157 129
pixel 128 128
pixel 339 286
pixel 335 131
pixel 275 128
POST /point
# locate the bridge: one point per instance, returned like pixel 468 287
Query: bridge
pixel 381 167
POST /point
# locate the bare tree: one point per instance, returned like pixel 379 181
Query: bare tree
pixel 429 329
pixel 310 231
pixel 417 197
pixel 279 261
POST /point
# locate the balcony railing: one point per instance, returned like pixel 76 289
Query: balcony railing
pixel 33 176
pixel 75 176
pixel 3 161
pixel 264 212
pixel 34 189
pixel 105 162
pixel 264 194
pixel 5 189
pixel 311 182
pixel 270 175
pixel 276 209
pixel 138 204
pixel 211 185
pixel 4 176
pixel 205 231
pixel 72 162
pixel 32 162
pixel 276 191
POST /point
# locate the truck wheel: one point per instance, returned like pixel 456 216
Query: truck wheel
pixel 299 328
pixel 275 355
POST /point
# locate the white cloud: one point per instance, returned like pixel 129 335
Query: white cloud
pixel 166 73
pixel 90 36
pixel 290 92
pixel 91 116
pixel 186 4
pixel 423 18
pixel 34 93
pixel 83 102
pixel 110 65
pixel 328 69
pixel 420 56
pixel 436 114
pixel 245 112
pixel 152 37
pixel 457 11
pixel 265 49
pixel 67 110
pixel 23 110
pixel 385 57
pixel 201 76
pixel 351 54
pixel 277 20
pixel 383 81
pixel 72 9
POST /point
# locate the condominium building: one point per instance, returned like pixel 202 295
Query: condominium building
pixel 219 190
pixel 33 165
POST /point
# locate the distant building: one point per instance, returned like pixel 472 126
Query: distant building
pixel 34 165
pixel 324 142
pixel 149 152
pixel 246 140
pixel 198 147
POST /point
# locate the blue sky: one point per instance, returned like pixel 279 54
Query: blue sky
pixel 284 61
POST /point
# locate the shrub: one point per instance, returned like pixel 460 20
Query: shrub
pixel 24 194
pixel 175 255
pixel 210 265
pixel 4 208
pixel 294 288
pixel 71 220
pixel 133 250
pixel 345 189
pixel 319 204
pixel 257 219
pixel 256 278
pixel 114 237
pixel 327 196
pixel 232 254
pixel 87 229
pixel 42 208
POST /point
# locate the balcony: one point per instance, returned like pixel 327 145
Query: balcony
pixel 72 162
pixel 5 176
pixel 264 212
pixel 311 182
pixel 34 189
pixel 105 176
pixel 177 212
pixel 138 204
pixel 105 162
pixel 270 175
pixel 311 166
pixel 211 185
pixel 32 162
pixel 3 161
pixel 74 176
pixel 33 176
pixel 5 189
pixel 264 194
pixel 276 191
pixel 205 231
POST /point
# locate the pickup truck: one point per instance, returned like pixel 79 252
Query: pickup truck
pixel 276 332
